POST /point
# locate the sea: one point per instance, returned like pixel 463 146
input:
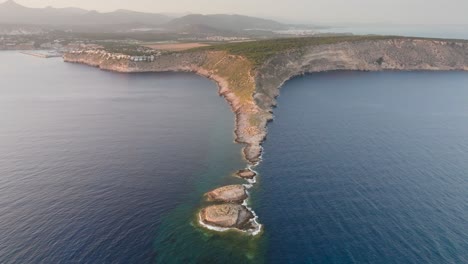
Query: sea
pixel 456 31
pixel 102 167
pixel 366 167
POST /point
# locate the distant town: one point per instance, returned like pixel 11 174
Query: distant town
pixel 141 35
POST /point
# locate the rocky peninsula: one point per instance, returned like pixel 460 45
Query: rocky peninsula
pixel 249 76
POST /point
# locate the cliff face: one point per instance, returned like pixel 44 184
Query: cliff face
pixel 251 91
pixel 376 55
pixel 392 54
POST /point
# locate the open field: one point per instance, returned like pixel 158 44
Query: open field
pixel 176 46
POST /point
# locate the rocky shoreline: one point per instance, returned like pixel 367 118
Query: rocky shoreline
pixel 252 91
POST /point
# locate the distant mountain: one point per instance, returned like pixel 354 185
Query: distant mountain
pixel 78 19
pixel 200 29
pixel 13 13
pixel 69 10
pixel 225 22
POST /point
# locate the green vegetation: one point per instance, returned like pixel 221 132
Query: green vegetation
pixel 236 71
pixel 125 48
pixel 380 60
pixel 260 51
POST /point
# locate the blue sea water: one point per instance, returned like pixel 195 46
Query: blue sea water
pixel 100 167
pixel 367 168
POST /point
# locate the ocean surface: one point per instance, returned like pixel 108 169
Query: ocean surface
pixel 101 167
pixel 427 31
pixel 367 168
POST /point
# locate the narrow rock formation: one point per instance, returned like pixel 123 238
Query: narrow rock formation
pixel 227 216
pixel 228 194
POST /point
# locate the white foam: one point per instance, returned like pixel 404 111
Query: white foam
pixel 214 228
pixel 257 228
pixel 248 186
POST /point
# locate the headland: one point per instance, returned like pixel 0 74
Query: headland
pixel 250 74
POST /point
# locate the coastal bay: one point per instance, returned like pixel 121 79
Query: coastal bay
pixel 92 170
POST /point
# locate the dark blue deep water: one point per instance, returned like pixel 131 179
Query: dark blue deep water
pixel 99 167
pixel 367 168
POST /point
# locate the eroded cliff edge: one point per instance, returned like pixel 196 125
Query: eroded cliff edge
pixel 251 88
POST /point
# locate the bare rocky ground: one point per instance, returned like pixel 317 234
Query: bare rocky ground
pixel 227 216
pixel 246 174
pixel 228 194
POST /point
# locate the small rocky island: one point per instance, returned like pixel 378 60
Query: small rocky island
pixel 227 216
pixel 250 74
pixel 231 211
pixel 246 174
pixel 229 194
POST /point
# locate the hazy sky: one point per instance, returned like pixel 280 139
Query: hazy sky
pixel 326 11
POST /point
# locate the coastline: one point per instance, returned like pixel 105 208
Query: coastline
pixel 253 99
pixel 242 110
pixel 239 110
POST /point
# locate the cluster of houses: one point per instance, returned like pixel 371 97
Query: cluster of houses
pixel 117 56
pixel 215 39
pixel 146 58
pixel 15 43
pixel 221 38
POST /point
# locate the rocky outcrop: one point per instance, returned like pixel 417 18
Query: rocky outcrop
pixel 246 174
pixel 227 216
pixel 228 194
